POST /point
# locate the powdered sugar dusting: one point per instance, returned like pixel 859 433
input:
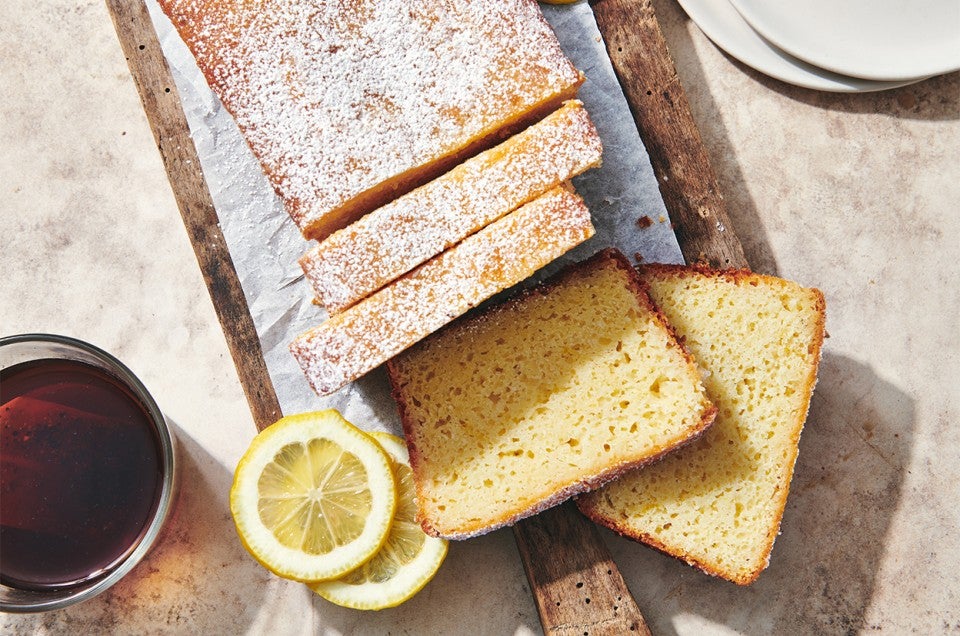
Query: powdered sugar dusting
pixel 504 253
pixel 336 98
pixel 358 260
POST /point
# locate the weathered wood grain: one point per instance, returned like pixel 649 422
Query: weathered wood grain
pixel 161 102
pixel 575 583
pixel 643 64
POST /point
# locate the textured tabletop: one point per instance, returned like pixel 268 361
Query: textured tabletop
pixel 854 194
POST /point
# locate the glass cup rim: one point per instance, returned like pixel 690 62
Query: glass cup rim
pixel 57 599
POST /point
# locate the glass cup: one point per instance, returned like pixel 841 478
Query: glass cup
pixel 39 349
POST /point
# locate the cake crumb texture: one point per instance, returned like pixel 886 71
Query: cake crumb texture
pixel 555 392
pixel 348 104
pixel 718 502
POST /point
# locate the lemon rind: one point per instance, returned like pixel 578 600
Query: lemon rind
pixel 259 540
pixel 376 596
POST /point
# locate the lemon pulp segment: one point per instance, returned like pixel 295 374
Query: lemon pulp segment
pixel 405 540
pixel 314 496
pixel 408 559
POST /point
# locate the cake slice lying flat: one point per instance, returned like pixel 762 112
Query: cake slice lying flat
pixel 555 392
pixel 349 104
pixel 366 335
pixel 392 240
pixel 717 503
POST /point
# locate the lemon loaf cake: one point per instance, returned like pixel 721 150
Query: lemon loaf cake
pixel 555 392
pixel 366 335
pixel 392 240
pixel 348 105
pixel 717 503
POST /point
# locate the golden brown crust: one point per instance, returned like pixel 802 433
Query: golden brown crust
pixel 735 275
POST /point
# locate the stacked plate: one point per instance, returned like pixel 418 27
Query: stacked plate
pixel 831 45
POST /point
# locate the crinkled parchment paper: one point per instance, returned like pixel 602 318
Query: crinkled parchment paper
pixel 265 244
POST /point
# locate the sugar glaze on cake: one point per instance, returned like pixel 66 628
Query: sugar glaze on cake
pixel 507 251
pixel 348 104
pixel 392 240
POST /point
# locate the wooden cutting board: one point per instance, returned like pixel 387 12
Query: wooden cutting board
pixel 575 583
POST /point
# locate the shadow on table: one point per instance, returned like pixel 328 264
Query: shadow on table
pixel 846 489
pixel 189 580
pixel 746 219
pixel 934 99
pixel 480 589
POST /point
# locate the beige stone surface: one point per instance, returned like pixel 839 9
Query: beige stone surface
pixel 855 194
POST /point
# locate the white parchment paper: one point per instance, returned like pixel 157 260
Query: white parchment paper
pixel 265 244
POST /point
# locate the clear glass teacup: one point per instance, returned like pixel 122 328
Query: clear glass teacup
pixel 87 471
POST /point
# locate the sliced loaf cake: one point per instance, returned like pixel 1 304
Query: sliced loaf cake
pixel 553 393
pixel 390 241
pixel 366 335
pixel 717 503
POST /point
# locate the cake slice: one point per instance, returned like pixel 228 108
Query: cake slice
pixel 348 105
pixel 717 504
pixel 553 393
pixel 366 335
pixel 392 240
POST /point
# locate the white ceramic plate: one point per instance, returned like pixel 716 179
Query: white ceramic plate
pixel 886 40
pixel 720 22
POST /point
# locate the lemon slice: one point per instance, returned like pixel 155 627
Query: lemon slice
pixel 313 497
pixel 406 562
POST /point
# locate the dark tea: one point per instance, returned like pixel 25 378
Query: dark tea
pixel 81 473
